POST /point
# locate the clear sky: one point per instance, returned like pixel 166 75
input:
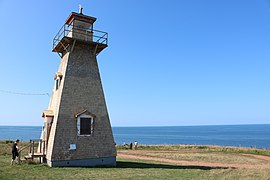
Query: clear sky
pixel 169 62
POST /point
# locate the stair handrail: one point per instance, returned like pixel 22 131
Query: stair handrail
pixel 21 149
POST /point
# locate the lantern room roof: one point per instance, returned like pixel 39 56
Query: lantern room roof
pixel 81 17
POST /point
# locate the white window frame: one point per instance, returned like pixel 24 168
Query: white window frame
pixel 79 125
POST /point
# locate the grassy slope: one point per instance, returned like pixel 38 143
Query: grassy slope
pixel 131 169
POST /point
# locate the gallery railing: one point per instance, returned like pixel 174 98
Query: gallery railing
pixel 80 33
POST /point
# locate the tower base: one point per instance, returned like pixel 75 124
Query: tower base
pixel 91 162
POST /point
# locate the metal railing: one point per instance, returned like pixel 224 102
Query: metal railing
pixel 72 31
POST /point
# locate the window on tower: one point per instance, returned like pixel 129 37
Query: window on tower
pixel 57 84
pixel 85 125
pixel 58 76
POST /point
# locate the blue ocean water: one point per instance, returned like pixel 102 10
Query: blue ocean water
pixel 224 135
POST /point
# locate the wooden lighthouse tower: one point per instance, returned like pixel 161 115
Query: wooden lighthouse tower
pixel 77 130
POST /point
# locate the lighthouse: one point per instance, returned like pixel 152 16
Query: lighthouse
pixel 77 129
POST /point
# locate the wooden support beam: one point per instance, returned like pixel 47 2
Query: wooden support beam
pixel 73 44
pixel 95 51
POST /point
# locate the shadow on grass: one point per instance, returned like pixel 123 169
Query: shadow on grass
pixel 161 166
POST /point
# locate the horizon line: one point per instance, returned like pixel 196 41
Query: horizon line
pixel 158 125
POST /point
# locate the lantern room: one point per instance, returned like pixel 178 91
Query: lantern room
pixel 79 28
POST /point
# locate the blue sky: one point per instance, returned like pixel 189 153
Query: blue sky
pixel 168 62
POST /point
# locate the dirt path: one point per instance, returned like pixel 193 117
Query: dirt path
pixel 266 158
pixel 194 163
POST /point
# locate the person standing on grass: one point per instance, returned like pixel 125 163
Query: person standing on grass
pixel 15 153
pixel 135 145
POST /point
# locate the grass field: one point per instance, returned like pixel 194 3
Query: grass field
pixel 138 168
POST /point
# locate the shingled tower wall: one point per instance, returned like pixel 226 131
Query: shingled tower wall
pixel 77 128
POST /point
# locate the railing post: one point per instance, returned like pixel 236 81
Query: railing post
pixel 44 146
pixel 40 144
pixel 107 38
pixel 33 149
pixel 40 148
pixel 64 30
pixel 30 148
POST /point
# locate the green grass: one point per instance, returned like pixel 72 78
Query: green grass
pixel 131 169
pixel 126 169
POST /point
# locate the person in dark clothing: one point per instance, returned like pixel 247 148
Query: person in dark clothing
pixel 15 152
pixel 130 145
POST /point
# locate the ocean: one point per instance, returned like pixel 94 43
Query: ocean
pixel 224 135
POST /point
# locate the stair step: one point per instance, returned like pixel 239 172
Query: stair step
pixel 27 157
pixel 36 155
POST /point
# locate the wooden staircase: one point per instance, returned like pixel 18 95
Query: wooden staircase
pixel 37 145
